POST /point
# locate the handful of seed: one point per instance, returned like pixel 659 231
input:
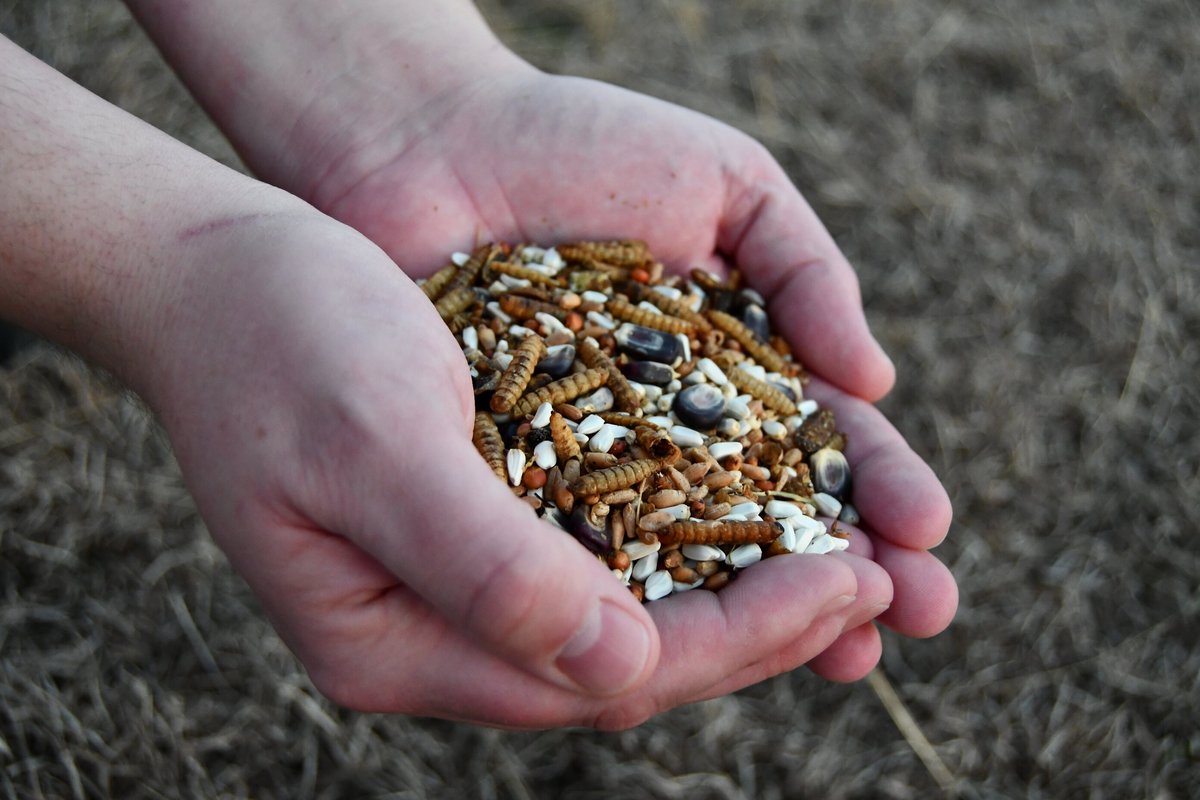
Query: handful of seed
pixel 655 419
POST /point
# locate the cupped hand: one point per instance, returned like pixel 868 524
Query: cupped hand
pixel 322 417
pixel 524 156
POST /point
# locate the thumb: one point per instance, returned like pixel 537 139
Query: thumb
pixel 521 588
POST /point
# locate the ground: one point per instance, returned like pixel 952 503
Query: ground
pixel 1016 184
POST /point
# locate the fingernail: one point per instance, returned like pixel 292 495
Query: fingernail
pixel 838 603
pixel 608 652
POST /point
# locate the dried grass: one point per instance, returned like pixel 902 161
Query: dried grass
pixel 1017 185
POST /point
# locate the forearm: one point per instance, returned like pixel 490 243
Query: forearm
pixel 288 81
pixel 96 215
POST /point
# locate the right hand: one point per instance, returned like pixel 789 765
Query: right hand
pixel 322 415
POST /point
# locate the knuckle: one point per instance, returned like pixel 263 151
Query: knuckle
pixel 504 606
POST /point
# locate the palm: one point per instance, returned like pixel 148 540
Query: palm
pixel 555 159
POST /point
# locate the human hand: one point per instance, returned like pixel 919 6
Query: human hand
pixel 322 415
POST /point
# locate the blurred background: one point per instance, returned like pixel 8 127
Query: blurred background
pixel 1017 184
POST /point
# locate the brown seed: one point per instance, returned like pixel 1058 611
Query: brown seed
pixel 715 583
pixel 667 497
pixel 755 473
pixel 614 478
pixel 573 413
pixel 719 480
pixel 732 463
pixel 487 339
pixel 559 337
pixel 616 530
pixel 684 574
pixel 717 510
pixel 516 377
pixel 620 496
pixel 534 478
pixel 489 443
pixel 619 560
pixel 561 390
pixel 735 532
pixel 678 481
pixel 776 549
pixel 696 472
pixel 671 559
pixel 707 568
pixel 638 591
pixel 599 460
pixel 655 521
pixel 623 309
pixel 563 499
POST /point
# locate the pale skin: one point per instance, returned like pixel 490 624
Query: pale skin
pixel 322 415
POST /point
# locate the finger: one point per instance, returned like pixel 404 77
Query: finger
pixel 776 239
pixel 926 595
pixel 771 624
pixel 894 490
pixel 518 586
pixel 851 656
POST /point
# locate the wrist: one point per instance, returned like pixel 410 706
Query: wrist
pixel 302 88
pixel 99 214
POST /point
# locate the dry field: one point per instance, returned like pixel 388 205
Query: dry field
pixel 1019 185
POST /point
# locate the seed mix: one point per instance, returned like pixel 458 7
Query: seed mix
pixel 655 418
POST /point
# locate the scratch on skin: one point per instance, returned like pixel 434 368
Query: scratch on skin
pixel 219 224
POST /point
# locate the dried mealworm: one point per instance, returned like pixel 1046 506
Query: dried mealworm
pixel 565 446
pixel 621 253
pixel 454 301
pixel 761 390
pixel 711 283
pixel 525 273
pixel 489 443
pixel 624 420
pixel 626 398
pixel 516 377
pixel 674 308
pixel 438 281
pixel 561 390
pixel 623 309
pixel 761 353
pixel 734 532
pixel 519 307
pixel 621 476
pixel 657 443
pixel 469 271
